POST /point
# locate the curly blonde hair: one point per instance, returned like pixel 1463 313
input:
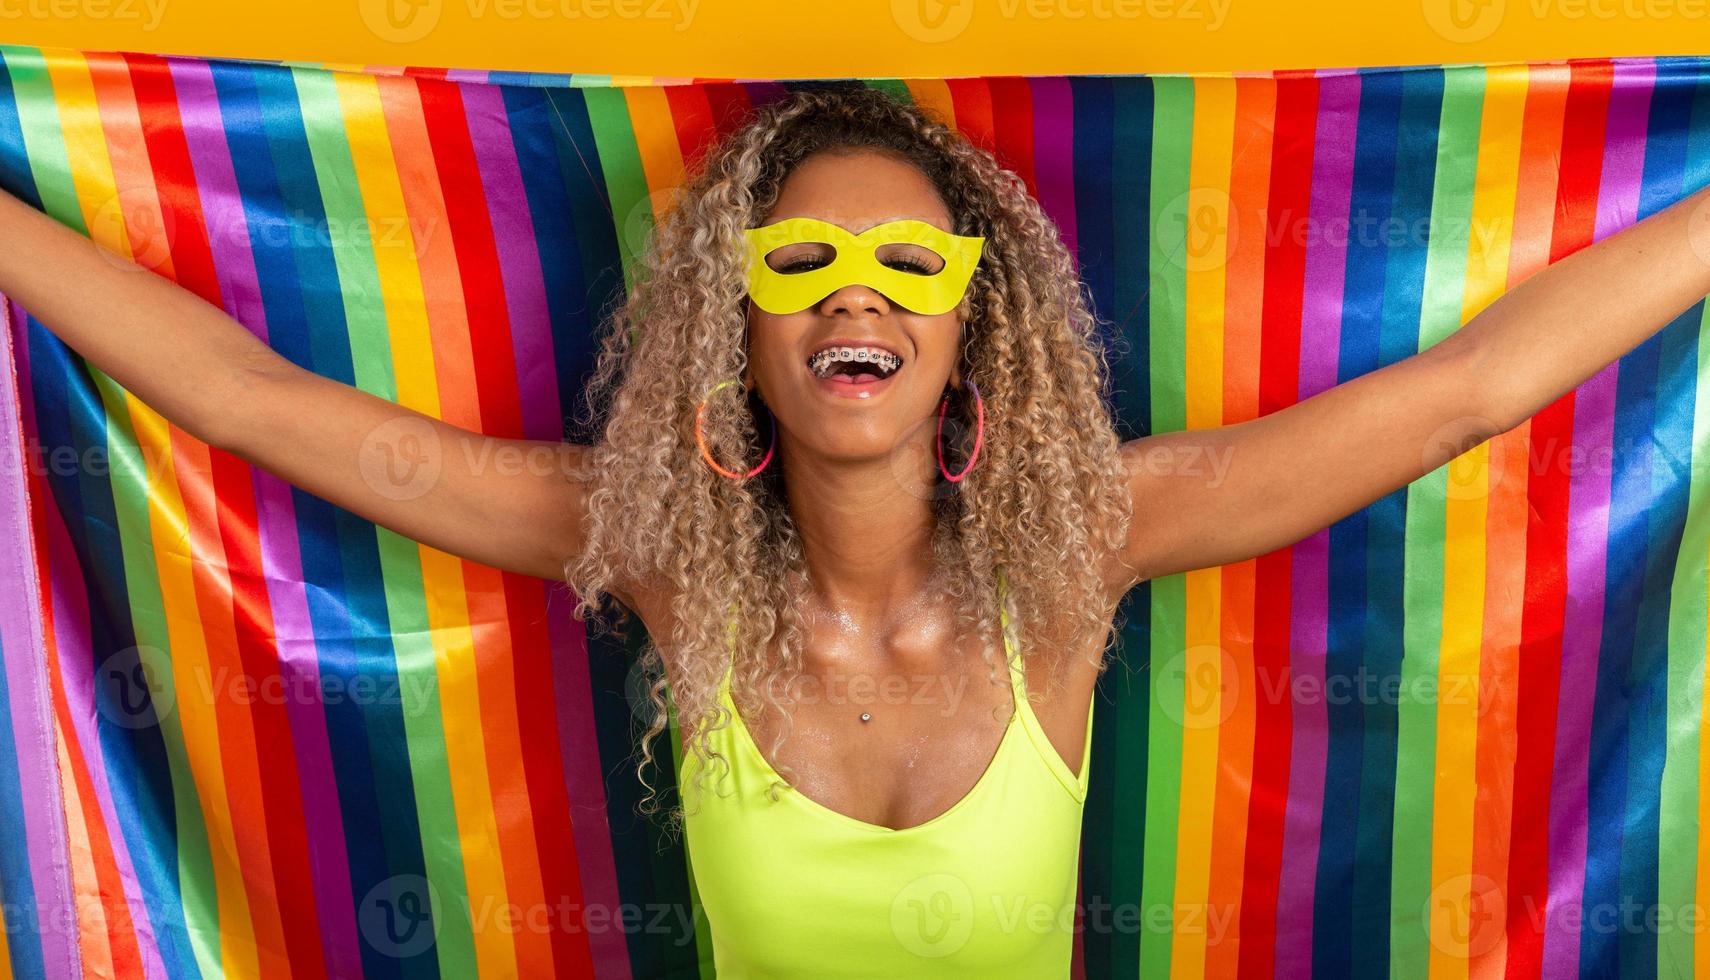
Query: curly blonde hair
pixel 1046 504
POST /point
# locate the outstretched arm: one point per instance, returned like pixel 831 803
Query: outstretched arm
pixel 511 504
pixel 1212 496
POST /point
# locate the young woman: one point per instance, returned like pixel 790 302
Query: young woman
pixel 856 474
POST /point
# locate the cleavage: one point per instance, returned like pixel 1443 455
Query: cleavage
pixel 931 737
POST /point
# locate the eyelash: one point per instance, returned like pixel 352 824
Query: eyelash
pixel 911 265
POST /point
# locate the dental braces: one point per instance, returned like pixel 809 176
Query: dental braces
pixel 822 361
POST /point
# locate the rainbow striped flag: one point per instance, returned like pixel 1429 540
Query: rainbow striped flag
pixel 246 733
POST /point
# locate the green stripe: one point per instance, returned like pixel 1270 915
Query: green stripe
pixel 626 178
pixel 894 87
pixel 1689 605
pixel 400 557
pixel 1422 587
pixel 1688 609
pixel 1172 148
pixel 44 141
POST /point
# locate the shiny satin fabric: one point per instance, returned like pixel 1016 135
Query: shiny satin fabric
pixel 244 732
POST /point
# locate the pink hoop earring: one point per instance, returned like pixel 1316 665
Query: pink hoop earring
pixel 979 434
pixel 706 452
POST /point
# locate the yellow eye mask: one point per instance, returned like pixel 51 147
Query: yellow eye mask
pixel 795 263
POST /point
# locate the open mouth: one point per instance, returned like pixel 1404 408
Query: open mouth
pixel 854 365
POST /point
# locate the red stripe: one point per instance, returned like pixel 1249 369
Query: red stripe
pixel 537 716
pixel 1279 386
pixel 972 101
pixel 1012 102
pixel 274 803
pixel 692 115
pixel 729 106
pixel 477 258
pixel 1546 550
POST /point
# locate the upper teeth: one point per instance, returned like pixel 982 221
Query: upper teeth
pixel 822 362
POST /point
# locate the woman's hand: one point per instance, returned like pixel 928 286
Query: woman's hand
pixel 1209 497
pixel 511 504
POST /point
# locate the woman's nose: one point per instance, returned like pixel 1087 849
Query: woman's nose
pixel 855 298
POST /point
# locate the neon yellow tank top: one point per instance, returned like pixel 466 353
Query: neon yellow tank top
pixel 793 888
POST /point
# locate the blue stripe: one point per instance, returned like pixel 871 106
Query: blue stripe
pixel 1346 884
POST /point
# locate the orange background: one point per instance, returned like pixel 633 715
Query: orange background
pixel 869 38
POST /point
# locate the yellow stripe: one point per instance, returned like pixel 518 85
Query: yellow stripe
pixel 460 707
pixel 1207 259
pixel 393 240
pixel 1466 508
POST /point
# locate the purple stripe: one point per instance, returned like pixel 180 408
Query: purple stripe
pixel 519 260
pixel 1320 344
pixel 1588 531
pixel 276 528
pixel 578 751
pixel 29 708
pixel 1054 152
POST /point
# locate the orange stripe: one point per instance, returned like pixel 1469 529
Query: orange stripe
pixel 89 898
pixel 1534 216
pixel 1249 190
pixel 934 95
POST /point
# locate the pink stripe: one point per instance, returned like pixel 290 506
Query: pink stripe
pixel 276 527
pixel 519 260
pixel 1588 532
pixel 1054 152
pixel 29 701
pixel 1320 345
